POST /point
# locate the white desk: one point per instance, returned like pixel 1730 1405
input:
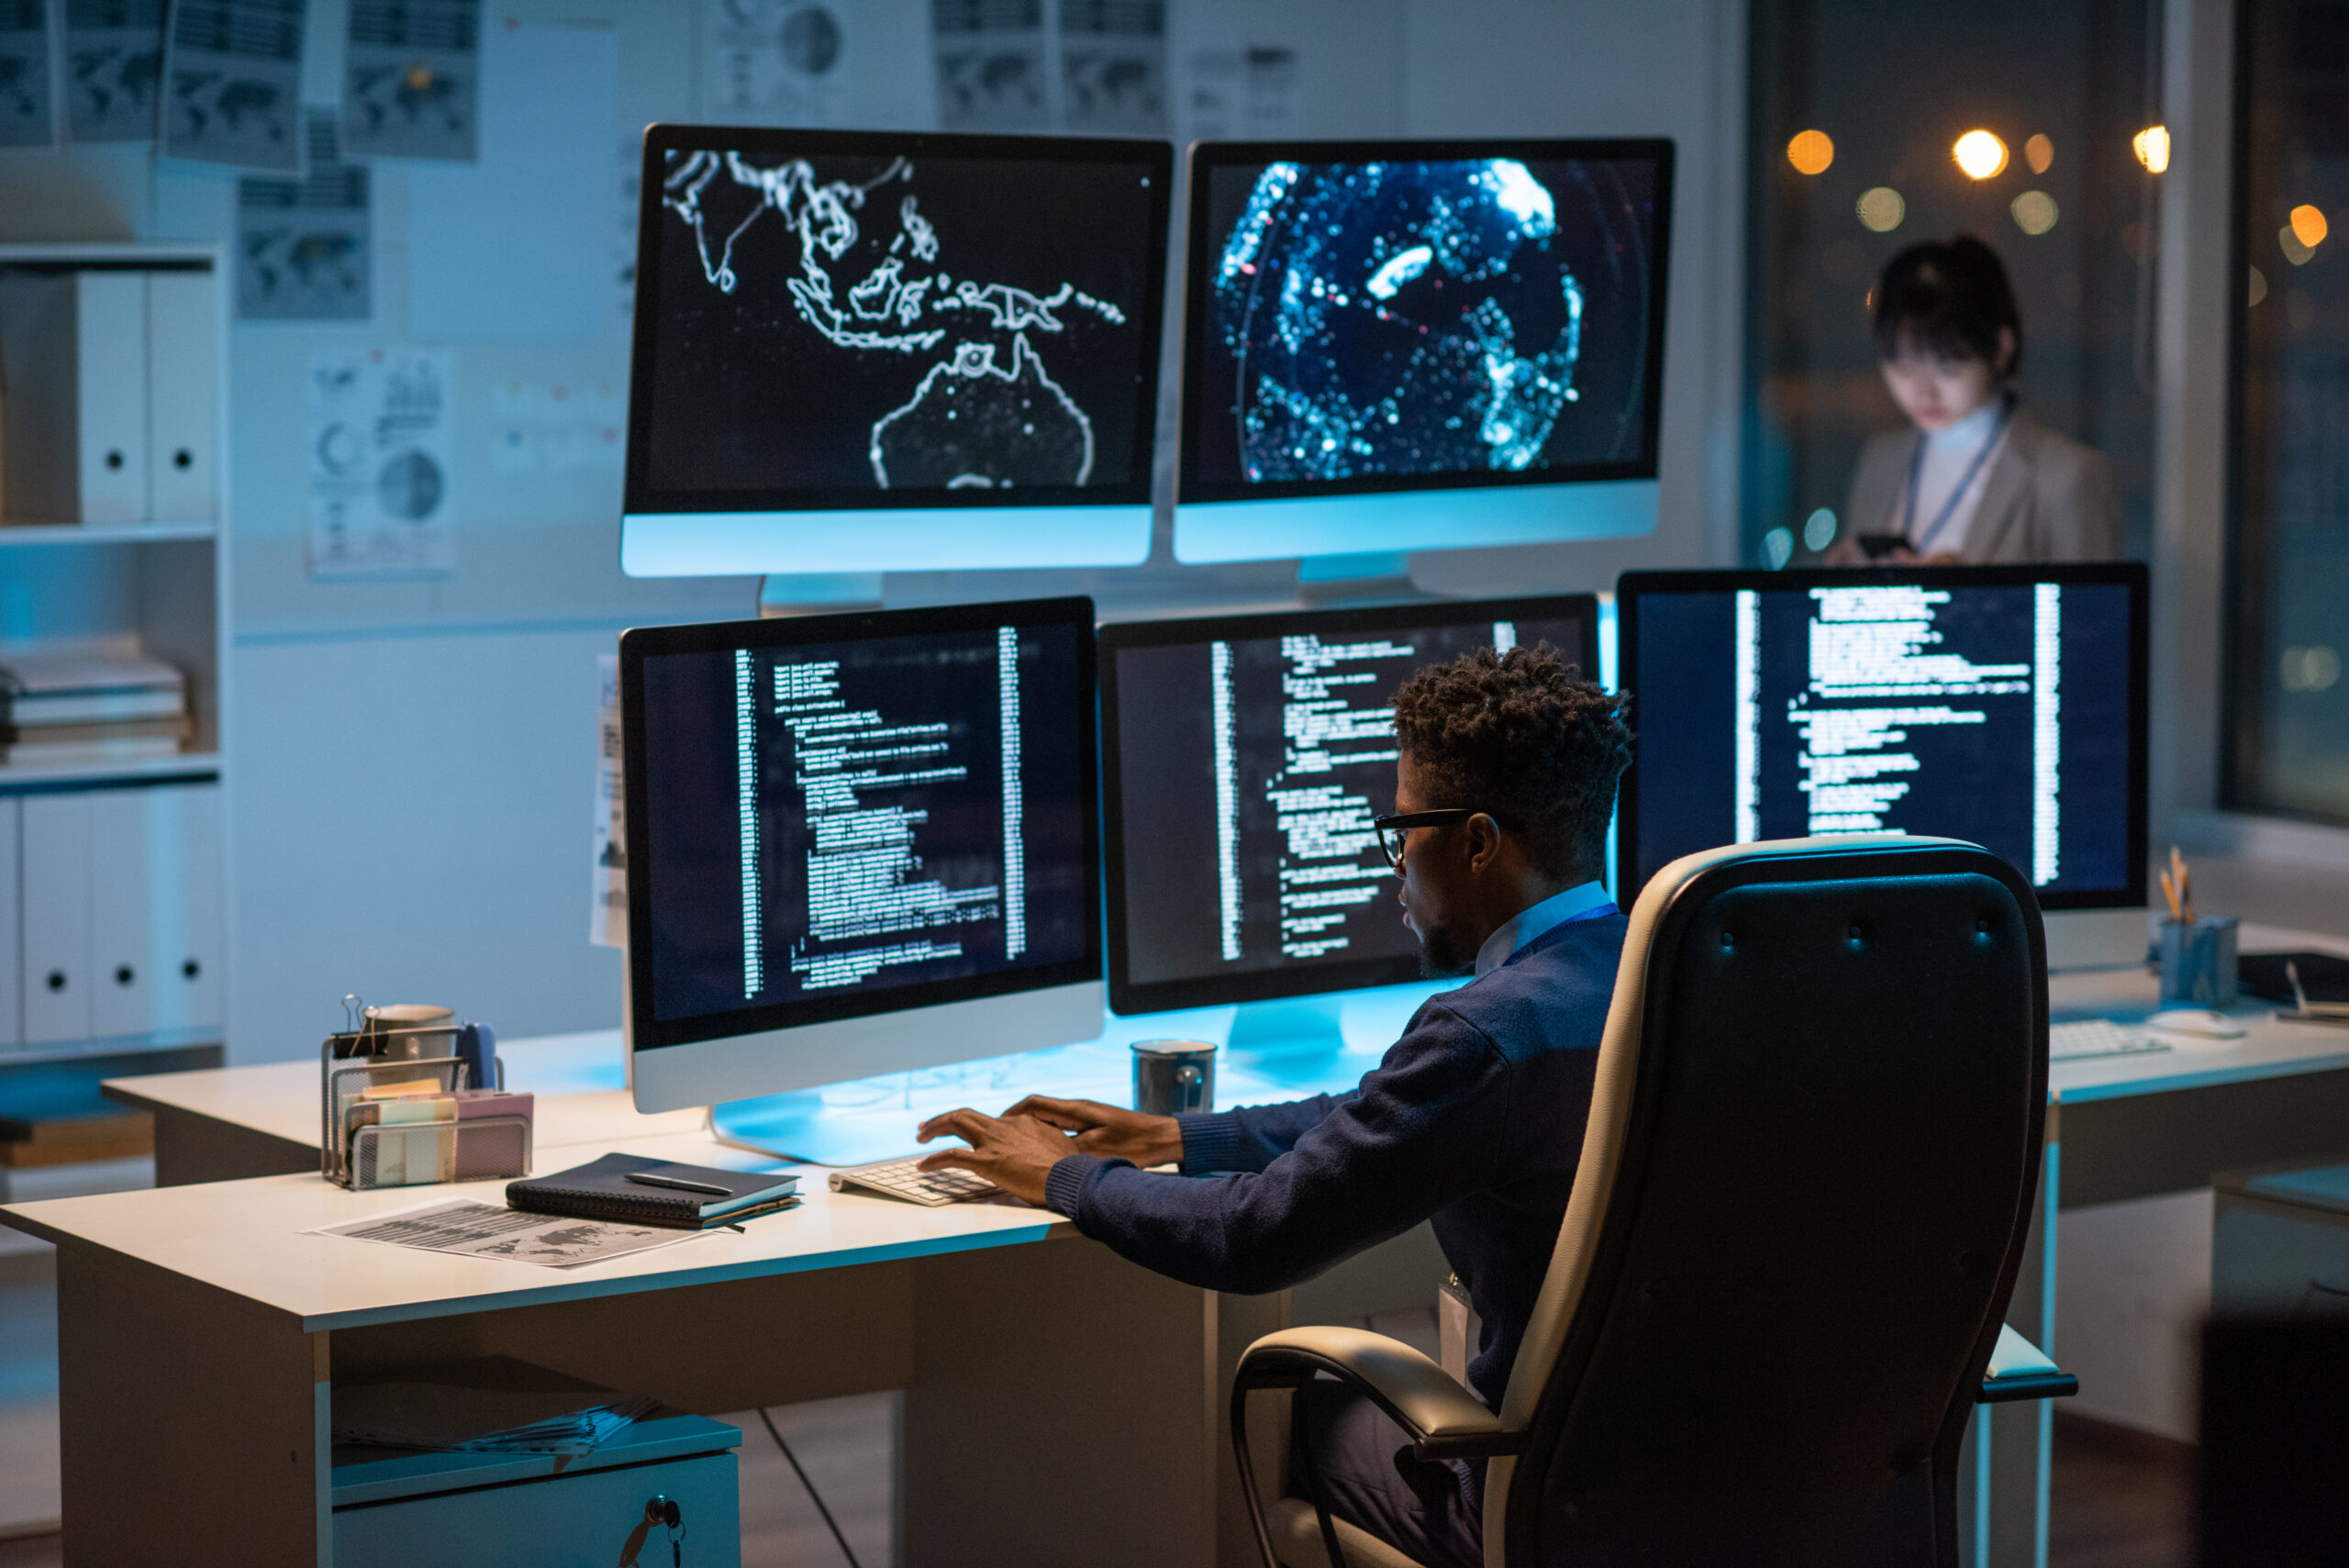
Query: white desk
pixel 997 1341
pixel 1053 1392
pixel 1060 1404
pixel 2131 1126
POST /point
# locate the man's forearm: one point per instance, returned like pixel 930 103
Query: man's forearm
pixel 1251 1137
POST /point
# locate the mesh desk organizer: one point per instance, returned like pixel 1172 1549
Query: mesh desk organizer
pixel 469 1149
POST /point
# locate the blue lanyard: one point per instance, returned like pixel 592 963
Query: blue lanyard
pixel 1916 472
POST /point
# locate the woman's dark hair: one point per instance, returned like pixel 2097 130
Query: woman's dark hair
pixel 1523 735
pixel 1948 297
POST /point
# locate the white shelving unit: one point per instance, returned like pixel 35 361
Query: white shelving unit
pixel 161 587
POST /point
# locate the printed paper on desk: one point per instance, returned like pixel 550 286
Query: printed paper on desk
pixel 473 1228
pixel 379 464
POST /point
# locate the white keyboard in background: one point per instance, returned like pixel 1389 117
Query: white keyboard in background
pixel 906 1179
pixel 2098 1037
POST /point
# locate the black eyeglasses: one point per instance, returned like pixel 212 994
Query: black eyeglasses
pixel 1393 830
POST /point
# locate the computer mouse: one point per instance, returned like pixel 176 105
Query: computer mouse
pixel 2203 1021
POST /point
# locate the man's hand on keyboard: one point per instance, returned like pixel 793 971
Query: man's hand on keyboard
pixel 1015 1153
pixel 1112 1132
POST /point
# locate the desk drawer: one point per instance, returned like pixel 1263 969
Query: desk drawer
pixel 581 1521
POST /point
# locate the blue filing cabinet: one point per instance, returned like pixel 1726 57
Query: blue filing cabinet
pixel 2279 1243
pixel 399 1507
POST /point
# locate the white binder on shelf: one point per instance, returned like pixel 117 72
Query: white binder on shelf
pixel 55 867
pixel 183 361
pixel 12 950
pixel 74 348
pixel 154 869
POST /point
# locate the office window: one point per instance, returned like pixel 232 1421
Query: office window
pixel 2288 720
pixel 1867 134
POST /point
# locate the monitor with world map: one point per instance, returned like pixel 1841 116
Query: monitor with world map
pixel 865 351
pixel 1419 345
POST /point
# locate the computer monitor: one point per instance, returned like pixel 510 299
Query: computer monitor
pixel 857 844
pixel 862 351
pixel 2003 705
pixel 1243 761
pixel 1420 345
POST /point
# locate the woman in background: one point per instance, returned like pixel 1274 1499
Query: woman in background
pixel 1977 479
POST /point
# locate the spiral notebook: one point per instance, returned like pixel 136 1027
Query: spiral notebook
pixel 602 1190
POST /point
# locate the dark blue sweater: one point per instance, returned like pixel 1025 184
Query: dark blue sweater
pixel 1473 1119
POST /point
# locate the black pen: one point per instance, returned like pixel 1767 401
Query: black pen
pixel 675 1184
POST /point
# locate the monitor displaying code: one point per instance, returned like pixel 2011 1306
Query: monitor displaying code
pixel 835 822
pixel 1249 765
pixel 1380 319
pixel 2005 713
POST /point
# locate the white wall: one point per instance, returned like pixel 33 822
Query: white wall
pixel 411 769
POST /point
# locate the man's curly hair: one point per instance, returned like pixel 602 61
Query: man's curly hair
pixel 1523 737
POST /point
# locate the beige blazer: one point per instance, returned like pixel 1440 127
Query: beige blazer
pixel 2045 498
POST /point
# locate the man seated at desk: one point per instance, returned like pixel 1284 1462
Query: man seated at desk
pixel 1473 1119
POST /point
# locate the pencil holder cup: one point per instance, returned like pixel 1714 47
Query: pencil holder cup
pixel 2199 962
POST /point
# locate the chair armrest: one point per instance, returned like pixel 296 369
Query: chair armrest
pixel 2019 1370
pixel 1447 1422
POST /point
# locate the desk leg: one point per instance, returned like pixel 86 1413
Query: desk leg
pixel 2013 1504
pixel 194 1425
pixel 1064 1409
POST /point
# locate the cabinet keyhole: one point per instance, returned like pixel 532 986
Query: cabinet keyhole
pixel 57 980
pixel 183 458
pixel 124 974
pixel 114 460
pixel 191 969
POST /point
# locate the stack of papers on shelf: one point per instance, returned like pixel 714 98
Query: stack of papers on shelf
pixel 73 706
pixel 490 1404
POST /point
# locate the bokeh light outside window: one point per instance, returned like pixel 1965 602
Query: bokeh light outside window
pixel 2067 93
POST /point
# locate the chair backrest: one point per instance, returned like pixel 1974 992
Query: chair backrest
pixel 1801 1208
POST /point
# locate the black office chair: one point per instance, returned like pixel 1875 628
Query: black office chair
pixel 1801 1203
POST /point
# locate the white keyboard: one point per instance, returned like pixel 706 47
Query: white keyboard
pixel 904 1179
pixel 2098 1037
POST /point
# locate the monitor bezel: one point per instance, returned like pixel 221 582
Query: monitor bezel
pixel 640 499
pixel 1127 996
pixel 647 1031
pixel 1630 587
pixel 1199 314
